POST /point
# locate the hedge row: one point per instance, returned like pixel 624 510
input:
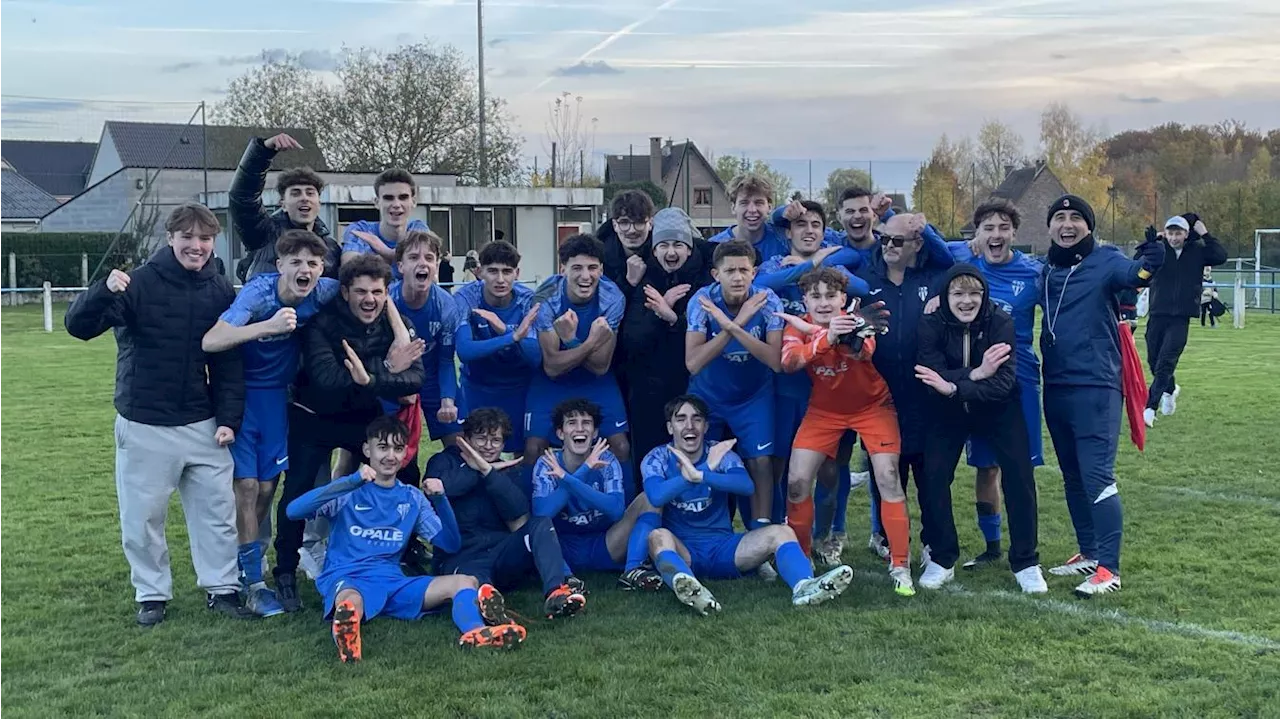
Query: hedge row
pixel 52 256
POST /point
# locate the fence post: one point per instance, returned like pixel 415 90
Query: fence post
pixel 84 269
pixel 48 307
pixel 13 279
pixel 1238 301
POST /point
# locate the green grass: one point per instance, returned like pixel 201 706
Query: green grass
pixel 1195 633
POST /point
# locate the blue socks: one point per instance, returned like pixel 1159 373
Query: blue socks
pixel 466 610
pixel 793 566
pixel 670 564
pixel 988 522
pixel 844 489
pixel 638 540
pixel 250 557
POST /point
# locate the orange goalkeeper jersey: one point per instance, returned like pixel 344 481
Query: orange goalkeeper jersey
pixel 842 382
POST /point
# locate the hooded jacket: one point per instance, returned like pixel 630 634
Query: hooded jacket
pixel 258 228
pixel 163 377
pixel 654 349
pixel 953 349
pixel 324 385
pixel 1176 287
pixel 896 350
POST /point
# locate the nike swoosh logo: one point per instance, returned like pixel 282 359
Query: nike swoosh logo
pixel 875 292
pixel 362 508
pixel 762 447
pixel 282 460
pixel 620 425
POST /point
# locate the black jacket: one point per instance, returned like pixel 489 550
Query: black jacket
pixel 324 384
pixel 163 378
pixel 482 505
pixel 259 229
pixel 1175 287
pixel 952 348
pixel 896 350
pixel 654 349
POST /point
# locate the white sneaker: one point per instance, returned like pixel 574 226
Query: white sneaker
pixel 1030 580
pixel 1100 582
pixel 311 564
pixel 1149 416
pixel 816 590
pixel 857 479
pixel 936 575
pixel 925 557
pixel 1169 402
pixel 691 592
pixel 902 581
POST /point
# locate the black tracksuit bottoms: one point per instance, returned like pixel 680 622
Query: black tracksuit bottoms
pixel 1166 338
pixel 1003 427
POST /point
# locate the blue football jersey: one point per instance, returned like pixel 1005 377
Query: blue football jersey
pixel 608 302
pixel 506 369
pixel 735 375
pixel 773 243
pixel 370 526
pixel 577 517
pixel 435 323
pixel 351 243
pixel 699 510
pixel 272 362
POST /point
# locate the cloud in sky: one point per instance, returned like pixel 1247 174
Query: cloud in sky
pixel 820 79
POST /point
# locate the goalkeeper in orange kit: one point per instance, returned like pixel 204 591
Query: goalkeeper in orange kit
pixel 835 346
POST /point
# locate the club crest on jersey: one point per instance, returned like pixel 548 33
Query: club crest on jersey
pixel 924 292
pixel 433 328
pixel 1018 287
pixel 402 509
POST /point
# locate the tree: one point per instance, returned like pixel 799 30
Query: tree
pixel 999 147
pixel 1075 153
pixel 573 137
pixel 279 93
pixel 729 167
pixel 937 192
pixel 414 107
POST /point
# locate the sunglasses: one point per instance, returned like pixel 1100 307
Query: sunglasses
pixel 894 240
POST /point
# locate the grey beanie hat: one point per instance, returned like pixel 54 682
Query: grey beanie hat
pixel 671 224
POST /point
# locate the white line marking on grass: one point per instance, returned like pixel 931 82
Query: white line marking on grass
pixel 1190 492
pixel 1082 608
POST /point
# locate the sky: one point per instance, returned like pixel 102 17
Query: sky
pixel 838 81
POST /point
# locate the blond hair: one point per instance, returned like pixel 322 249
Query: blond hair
pixel 967 283
pixel 750 184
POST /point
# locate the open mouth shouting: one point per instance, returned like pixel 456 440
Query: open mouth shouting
pixel 580 442
pixel 369 309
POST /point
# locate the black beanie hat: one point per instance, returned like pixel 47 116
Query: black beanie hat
pixel 1071 202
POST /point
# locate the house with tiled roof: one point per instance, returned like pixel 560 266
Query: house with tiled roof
pixel 22 202
pixel 59 168
pixel 684 173
pixel 1030 189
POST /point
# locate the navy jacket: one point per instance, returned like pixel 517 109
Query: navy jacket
pixel 1079 337
pixel 895 355
pixel 1176 286
pixel 482 505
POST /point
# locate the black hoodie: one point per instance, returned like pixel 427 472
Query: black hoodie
pixel 952 348
pixel 654 349
pixel 163 377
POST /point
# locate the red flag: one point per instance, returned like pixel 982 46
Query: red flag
pixel 1133 384
pixel 411 415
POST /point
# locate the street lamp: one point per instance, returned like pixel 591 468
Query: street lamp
pixel 484 179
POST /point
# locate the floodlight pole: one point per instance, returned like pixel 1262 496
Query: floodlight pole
pixel 483 174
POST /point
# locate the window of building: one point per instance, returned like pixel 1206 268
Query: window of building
pixel 702 196
pixel 351 214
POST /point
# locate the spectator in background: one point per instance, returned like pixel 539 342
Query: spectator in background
pixel 1175 295
pixel 446 267
pixel 299 190
pixel 472 265
pixel 1207 295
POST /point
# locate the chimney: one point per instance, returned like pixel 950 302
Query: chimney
pixel 1008 170
pixel 655 160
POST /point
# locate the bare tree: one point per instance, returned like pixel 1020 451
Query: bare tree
pixel 999 147
pixel 414 107
pixel 574 138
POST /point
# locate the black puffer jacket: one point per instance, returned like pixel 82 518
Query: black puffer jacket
pixel 257 228
pixel 324 384
pixel 1175 287
pixel 163 378
pixel 952 348
pixel 655 349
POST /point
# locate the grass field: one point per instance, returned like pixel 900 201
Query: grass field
pixel 1195 633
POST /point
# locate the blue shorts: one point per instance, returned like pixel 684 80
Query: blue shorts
pixel 751 421
pixel 711 556
pixel 587 553
pixel 544 395
pixel 510 401
pixel 979 454
pixel 393 595
pixel 788 413
pixel 261 449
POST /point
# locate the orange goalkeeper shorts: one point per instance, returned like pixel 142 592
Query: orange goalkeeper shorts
pixel 877 425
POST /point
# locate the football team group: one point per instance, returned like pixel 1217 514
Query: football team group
pixel 619 415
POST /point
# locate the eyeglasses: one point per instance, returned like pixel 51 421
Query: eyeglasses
pixel 628 225
pixel 894 240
